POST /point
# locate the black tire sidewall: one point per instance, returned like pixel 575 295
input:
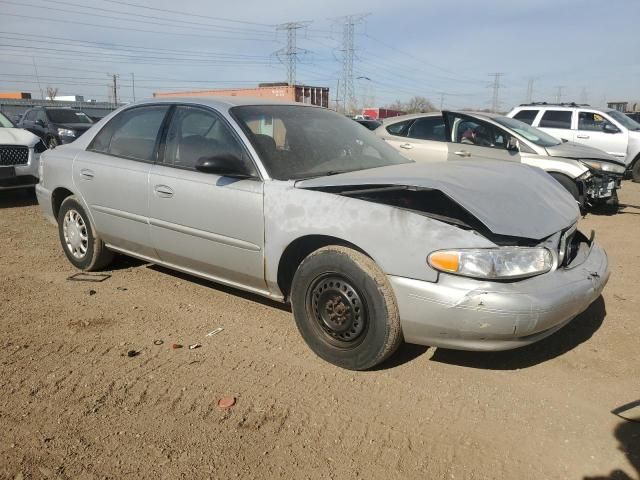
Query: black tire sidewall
pixel 371 349
pixel 86 262
pixel 568 184
pixel 635 171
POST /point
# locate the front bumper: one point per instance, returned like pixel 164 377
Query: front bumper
pixel 20 176
pixel 602 187
pixel 467 314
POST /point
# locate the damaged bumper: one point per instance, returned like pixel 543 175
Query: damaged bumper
pixel 601 187
pixel 467 314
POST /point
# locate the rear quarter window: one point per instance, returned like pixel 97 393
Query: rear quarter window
pixel 526 116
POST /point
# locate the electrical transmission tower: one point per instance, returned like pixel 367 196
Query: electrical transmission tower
pixel 530 90
pixel 495 101
pixel 349 23
pixel 289 54
pixel 559 89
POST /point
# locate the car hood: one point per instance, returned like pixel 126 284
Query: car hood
pixel 17 136
pixel 508 198
pixel 78 127
pixel 578 151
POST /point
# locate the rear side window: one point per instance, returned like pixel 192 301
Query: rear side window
pixel 399 128
pixel 526 116
pixel 132 133
pixel 428 128
pixel 556 119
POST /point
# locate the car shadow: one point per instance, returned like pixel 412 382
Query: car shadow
pixel 254 297
pixel 624 209
pixel 578 331
pixel 628 436
pixel 20 197
pixel 405 354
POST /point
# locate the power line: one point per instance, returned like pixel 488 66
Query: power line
pixel 495 101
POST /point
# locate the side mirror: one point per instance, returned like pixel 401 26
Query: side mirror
pixel 40 123
pixel 224 164
pixel 513 145
pixel 608 128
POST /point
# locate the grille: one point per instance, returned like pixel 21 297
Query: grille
pixel 13 155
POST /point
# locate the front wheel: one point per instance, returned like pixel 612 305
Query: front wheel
pixel 635 171
pixel 84 249
pixel 345 308
pixel 568 184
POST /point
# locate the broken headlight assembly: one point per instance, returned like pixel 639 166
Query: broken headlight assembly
pixel 502 263
pixel 603 166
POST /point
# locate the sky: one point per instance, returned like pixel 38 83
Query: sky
pixel 585 50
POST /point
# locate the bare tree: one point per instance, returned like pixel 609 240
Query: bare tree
pixel 415 104
pixel 52 93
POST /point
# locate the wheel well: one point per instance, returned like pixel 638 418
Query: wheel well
pixel 578 184
pixel 57 197
pixel 298 250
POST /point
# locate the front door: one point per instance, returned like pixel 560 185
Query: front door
pixel 476 139
pixel 597 131
pixel 112 176
pixel 202 222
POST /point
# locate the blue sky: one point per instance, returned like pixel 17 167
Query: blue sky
pixel 404 48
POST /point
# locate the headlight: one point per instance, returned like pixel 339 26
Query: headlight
pixel 65 132
pixel 493 263
pixel 604 166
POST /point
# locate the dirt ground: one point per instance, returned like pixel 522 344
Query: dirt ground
pixel 73 405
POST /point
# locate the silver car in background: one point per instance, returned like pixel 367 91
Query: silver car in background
pixel 590 175
pixel 298 203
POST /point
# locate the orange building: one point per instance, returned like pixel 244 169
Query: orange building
pixel 15 96
pixel 275 91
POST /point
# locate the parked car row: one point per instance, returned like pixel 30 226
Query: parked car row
pixel 300 204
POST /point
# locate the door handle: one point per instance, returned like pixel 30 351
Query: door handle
pixel 406 146
pixel 463 153
pixel 87 174
pixel 582 136
pixel 163 191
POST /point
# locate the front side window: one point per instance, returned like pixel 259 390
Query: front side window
pixel 40 115
pixel 30 115
pixel 195 133
pixel 296 142
pixel 526 116
pixel 556 119
pixel 624 120
pixel 471 131
pixel 132 133
pixel 428 128
pixel 593 122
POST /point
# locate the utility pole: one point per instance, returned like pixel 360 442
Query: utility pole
pixel 559 89
pixel 114 88
pixel 291 51
pixel 348 50
pixel 133 85
pixel 530 89
pixel 495 101
pixel 38 78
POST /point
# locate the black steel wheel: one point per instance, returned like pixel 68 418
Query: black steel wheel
pixel 345 308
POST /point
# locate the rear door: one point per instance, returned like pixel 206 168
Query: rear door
pixel 475 139
pixel 423 139
pixel 595 130
pixel 557 123
pixel 112 176
pixel 203 222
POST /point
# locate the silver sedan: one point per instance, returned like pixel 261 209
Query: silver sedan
pixel 300 204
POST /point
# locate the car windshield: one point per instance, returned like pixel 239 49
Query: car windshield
pixel 527 131
pixel 303 142
pixel 5 122
pixel 621 118
pixel 63 115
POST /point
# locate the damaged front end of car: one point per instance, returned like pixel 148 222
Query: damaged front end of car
pixel 601 181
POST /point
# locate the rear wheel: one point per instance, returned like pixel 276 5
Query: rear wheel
pixel 345 309
pixel 84 249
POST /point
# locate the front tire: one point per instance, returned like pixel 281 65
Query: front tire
pixel 568 184
pixel 83 248
pixel 345 308
pixel 635 171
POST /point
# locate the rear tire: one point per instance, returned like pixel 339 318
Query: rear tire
pixel 84 249
pixel 345 308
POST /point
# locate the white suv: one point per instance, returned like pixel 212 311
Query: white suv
pixel 606 129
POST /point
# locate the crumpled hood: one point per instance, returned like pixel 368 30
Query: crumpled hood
pixel 508 198
pixel 17 136
pixel 578 151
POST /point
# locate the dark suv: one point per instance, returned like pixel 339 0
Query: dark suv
pixel 55 125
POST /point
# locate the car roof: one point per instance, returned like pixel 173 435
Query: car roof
pixel 555 106
pixel 219 101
